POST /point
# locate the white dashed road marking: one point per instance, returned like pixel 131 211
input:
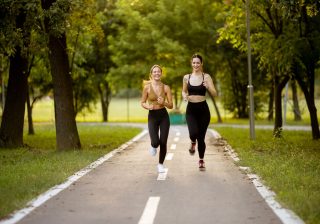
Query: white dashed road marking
pixel 169 156
pixel 173 146
pixel 163 176
pixel 150 211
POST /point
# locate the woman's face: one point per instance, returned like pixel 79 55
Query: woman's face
pixel 156 73
pixel 196 64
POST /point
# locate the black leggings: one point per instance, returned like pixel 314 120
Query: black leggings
pixel 159 119
pixel 198 119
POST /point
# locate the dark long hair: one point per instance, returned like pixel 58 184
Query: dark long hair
pixel 197 56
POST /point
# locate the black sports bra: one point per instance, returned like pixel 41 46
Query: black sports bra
pixel 197 90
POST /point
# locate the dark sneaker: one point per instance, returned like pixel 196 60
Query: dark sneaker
pixel 201 165
pixel 192 148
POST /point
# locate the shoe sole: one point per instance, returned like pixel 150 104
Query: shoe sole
pixel 202 168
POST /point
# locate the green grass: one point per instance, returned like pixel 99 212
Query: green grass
pixel 30 171
pixel 121 110
pixel 289 166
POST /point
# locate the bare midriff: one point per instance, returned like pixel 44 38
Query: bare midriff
pixel 157 107
pixel 196 98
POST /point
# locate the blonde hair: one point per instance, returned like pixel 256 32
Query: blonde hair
pixel 155 66
pixel 145 82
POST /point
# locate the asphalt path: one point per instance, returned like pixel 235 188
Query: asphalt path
pixel 128 189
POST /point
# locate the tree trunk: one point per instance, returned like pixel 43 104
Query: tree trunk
pixel 296 108
pixel 108 95
pixel 29 106
pixel 103 106
pixel 307 85
pixel 271 101
pixel 314 118
pixel 11 132
pixel 279 85
pixel 66 128
pixel 29 111
pixel 67 136
pixel 311 106
pixel 105 98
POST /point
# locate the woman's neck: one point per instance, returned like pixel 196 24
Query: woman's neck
pixel 196 72
pixel 156 82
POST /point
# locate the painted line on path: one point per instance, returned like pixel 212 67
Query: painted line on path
pixel 169 156
pixel 33 204
pixel 163 176
pixel 176 139
pixel 173 146
pixel 150 211
pixel 285 215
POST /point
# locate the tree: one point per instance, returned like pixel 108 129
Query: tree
pixel 15 37
pixel 161 37
pixel 274 44
pixel 304 20
pixel 99 60
pixel 67 136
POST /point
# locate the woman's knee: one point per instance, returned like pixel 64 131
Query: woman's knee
pixel 155 143
pixel 193 136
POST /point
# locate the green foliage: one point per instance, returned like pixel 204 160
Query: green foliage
pixel 160 32
pixel 57 16
pixel 289 166
pixel 28 172
pixel 12 33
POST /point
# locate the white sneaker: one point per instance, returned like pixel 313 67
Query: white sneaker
pixel 153 151
pixel 161 168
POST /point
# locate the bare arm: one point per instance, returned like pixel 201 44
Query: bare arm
pixel 169 103
pixel 208 83
pixel 185 88
pixel 144 98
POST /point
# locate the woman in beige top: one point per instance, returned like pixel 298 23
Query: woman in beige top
pixel 156 97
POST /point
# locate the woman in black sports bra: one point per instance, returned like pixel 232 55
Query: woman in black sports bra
pixel 195 86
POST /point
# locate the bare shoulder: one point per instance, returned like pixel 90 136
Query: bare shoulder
pixel 207 76
pixel 146 87
pixel 186 77
pixel 166 88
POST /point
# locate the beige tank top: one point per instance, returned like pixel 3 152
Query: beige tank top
pixel 153 97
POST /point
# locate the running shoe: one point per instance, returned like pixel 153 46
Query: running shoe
pixel 192 148
pixel 161 168
pixel 153 151
pixel 201 165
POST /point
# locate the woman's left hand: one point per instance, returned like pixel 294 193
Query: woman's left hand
pixel 205 84
pixel 160 100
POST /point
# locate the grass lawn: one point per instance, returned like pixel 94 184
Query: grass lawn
pixel 121 110
pixel 289 166
pixel 30 171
